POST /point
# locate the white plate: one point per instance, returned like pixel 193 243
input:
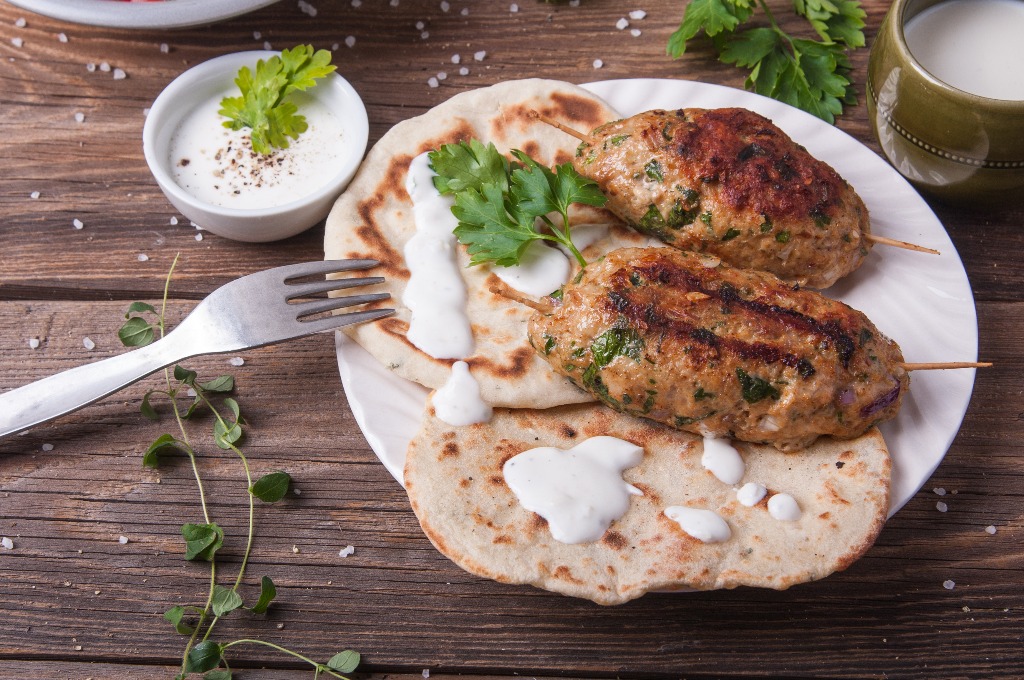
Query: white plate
pixel 158 14
pixel 921 301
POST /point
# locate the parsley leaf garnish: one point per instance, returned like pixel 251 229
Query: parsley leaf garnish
pixel 503 205
pixel 264 105
pixel 810 74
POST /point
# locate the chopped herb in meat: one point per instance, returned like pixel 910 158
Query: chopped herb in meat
pixel 755 389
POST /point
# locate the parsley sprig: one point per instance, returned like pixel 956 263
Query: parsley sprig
pixel 264 105
pixel 810 74
pixel 189 398
pixel 503 205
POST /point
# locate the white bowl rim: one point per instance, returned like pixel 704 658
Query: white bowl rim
pixel 356 121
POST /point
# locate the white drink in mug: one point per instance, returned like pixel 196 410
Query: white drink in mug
pixel 974 45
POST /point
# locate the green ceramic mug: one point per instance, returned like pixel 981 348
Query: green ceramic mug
pixel 949 143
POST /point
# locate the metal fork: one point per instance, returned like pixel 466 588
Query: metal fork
pixel 252 311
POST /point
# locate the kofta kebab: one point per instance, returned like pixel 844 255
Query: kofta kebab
pixel 678 336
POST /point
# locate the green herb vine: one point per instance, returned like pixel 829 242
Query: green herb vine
pixel 188 397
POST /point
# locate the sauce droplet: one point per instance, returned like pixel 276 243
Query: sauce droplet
pixel 723 460
pixel 784 507
pixel 704 525
pixel 458 401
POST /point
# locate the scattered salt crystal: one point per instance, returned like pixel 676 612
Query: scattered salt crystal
pixel 335 46
pixel 47 447
pixel 598 63
pixel 513 8
pixel 442 75
pixel 307 8
pixel 948 585
pixel 34 194
pixel 280 626
pixel 62 37
pixel 939 491
pixel 256 35
pixel 199 237
pixel 393 3
pixel 143 257
pixel 350 41
pixel 424 35
pixel 297 492
pixel 79 117
pixel 432 81
pixel 622 24
pixel 574 3
pixel 17 42
pixel 463 71
pixel 145 112
pixel 941 507
pixel 20 22
pixel 267 45
pixel 635 32
pixel 420 25
pixel 357 3
pixel 77 223
pixel 638 14
pixel 123 540
pixel 426 672
pixel 295 549
pixel 236 361
pixel 481 55
pixel 88 343
pixel 119 74
pixel 105 67
pixel 96 592
pixel 990 529
pixel 191 392
pixel 7 543
pixel 165 48
pixel 90 67
pixel 445 6
pixel 173 220
pixel 464 11
pixel 33 343
pixel 78 648
pixel 456 59
pixel 346 551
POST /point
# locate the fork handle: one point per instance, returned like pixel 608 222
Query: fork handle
pixel 70 390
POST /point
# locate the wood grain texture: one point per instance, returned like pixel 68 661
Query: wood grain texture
pixel 78 603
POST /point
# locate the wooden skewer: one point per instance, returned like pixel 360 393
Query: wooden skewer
pixel 881 240
pixel 942 365
pixel 540 305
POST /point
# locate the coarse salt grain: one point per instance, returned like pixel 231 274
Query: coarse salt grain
pixel 464 12
pixel 638 14
pixel 939 491
pixel 88 343
pixel 990 529
pixel 357 3
pixel 199 237
pixel 432 81
pixel 105 67
pixel 574 3
pixel 119 74
pixel 426 672
pixel 267 45
pixel 941 507
pixel 598 63
pixel 463 71
pixel 173 220
pixel 79 117
pixel 295 549
pixel 948 585
pixel 393 3
pixel 635 32
pixel 145 112
pixel 442 75
pixel 346 551
pixel 622 24
pixel 123 540
pixel 513 8
pixel 456 59
pixel 21 22
pixel 90 67
pixel 77 223
pixel 143 257
pixel 445 6
pixel 236 361
pixel 7 543
pixel 425 34
pixel 47 447
pixel 165 48
pixel 350 41
pixel 335 46
pixel 17 42
pixel 256 35
pixel 481 55
pixel 420 25
pixel 62 37
pixel 33 343
pixel 34 194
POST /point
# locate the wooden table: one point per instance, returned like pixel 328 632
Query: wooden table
pixel 79 602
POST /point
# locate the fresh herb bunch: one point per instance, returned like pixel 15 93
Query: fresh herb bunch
pixel 188 398
pixel 264 105
pixel 498 202
pixel 810 74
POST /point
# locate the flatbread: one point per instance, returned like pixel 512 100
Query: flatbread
pixel 373 218
pixel 457 489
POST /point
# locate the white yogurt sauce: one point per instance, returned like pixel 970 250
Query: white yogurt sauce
pixel 541 270
pixel 458 402
pixel 436 292
pixel 974 45
pixel 751 493
pixel 217 165
pixel 580 492
pixel 784 507
pixel 723 460
pixel 704 525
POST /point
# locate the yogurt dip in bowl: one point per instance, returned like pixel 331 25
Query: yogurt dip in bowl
pixel 211 174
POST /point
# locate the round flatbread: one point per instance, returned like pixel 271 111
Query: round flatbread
pixel 373 219
pixel 456 485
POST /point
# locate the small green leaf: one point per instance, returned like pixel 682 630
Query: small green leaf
pixel 218 674
pixel 165 443
pixel 136 332
pixel 225 600
pixel 226 434
pixel 344 662
pixel 202 541
pixel 268 591
pixel 147 408
pixel 203 657
pixel 174 616
pixel 184 375
pixel 271 487
pixel 140 308
pixel 222 384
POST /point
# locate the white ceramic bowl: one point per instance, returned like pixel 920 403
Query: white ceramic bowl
pixel 205 81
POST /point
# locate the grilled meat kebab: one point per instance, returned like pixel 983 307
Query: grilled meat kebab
pixel 730 183
pixel 680 338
